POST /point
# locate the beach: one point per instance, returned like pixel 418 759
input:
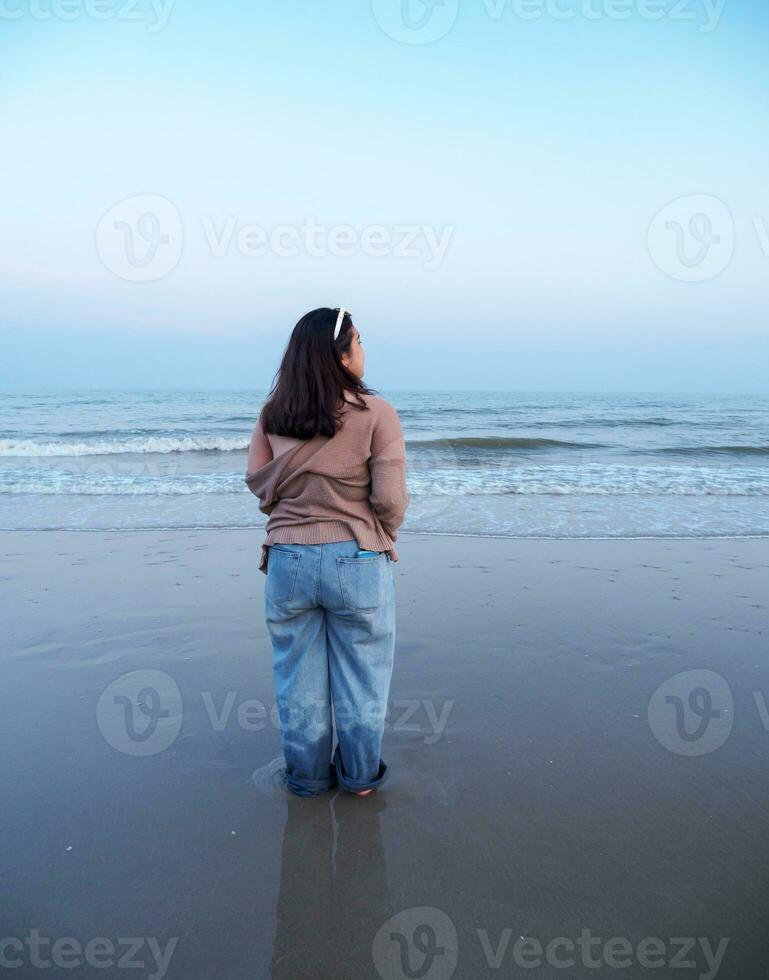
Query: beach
pixel 541 791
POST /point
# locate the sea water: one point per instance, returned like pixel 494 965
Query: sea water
pixel 519 464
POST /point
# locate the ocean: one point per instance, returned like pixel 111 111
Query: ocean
pixel 517 464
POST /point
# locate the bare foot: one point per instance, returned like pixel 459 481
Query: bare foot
pixel 365 792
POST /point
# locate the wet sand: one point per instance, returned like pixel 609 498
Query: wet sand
pixel 539 791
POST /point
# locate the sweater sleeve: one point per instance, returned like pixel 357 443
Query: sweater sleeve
pixel 387 465
pixel 257 479
pixel 259 450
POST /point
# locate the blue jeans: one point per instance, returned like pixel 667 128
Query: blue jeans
pixel 331 617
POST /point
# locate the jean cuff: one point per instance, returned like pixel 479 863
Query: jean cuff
pixel 311 787
pixel 356 785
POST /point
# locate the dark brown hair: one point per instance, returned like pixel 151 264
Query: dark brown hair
pixel 307 393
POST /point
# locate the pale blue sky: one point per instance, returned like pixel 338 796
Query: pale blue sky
pixel 542 150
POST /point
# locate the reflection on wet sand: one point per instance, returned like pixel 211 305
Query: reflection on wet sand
pixel 334 893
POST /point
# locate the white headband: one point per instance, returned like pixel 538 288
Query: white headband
pixel 339 319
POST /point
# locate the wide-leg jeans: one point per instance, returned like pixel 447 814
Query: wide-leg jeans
pixel 331 618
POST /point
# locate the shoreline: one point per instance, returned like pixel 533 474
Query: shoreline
pixel 430 534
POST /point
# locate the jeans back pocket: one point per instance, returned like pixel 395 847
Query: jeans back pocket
pixel 282 568
pixel 360 582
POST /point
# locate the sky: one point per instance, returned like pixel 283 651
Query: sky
pixel 507 194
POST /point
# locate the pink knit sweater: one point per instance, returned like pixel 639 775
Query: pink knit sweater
pixel 352 485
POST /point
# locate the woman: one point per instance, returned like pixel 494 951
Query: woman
pixel 328 463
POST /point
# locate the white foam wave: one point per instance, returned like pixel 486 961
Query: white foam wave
pixel 119 447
